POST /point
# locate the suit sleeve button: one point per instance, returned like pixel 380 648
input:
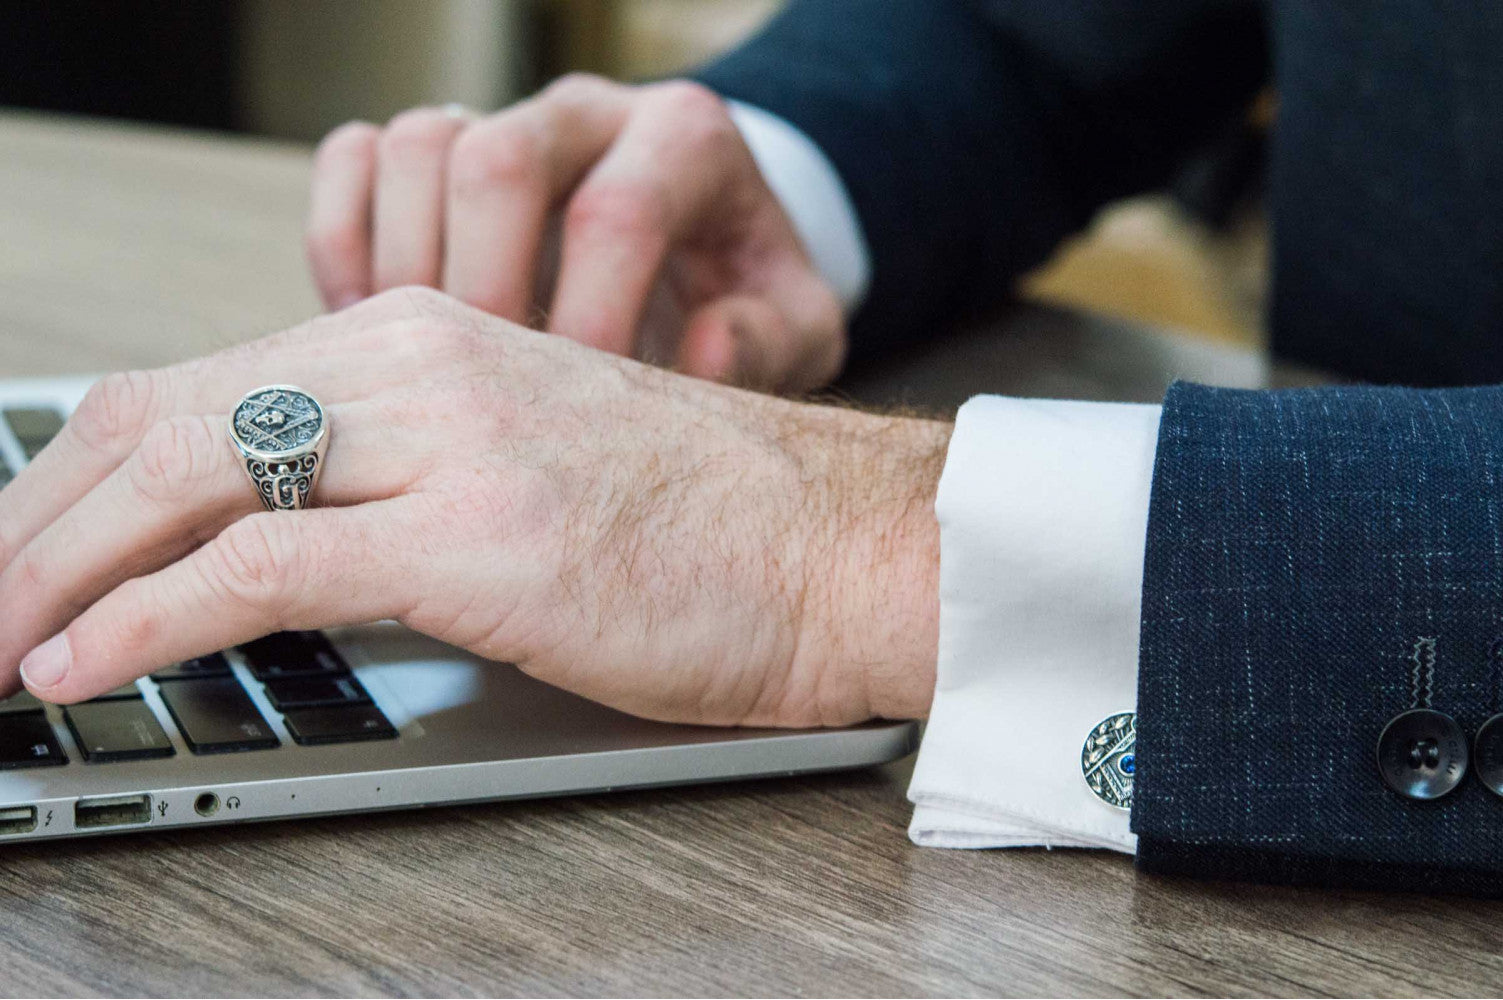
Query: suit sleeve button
pixel 1422 754
pixel 1488 751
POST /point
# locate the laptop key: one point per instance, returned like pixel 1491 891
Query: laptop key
pixel 21 701
pixel 26 740
pixel 217 716
pixel 293 654
pixel 34 428
pixel 213 665
pixel 123 729
pixel 346 724
pixel 290 693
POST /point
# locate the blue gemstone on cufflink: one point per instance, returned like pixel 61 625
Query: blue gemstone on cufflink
pixel 1126 764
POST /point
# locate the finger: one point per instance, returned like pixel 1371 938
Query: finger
pixel 265 573
pixel 506 173
pixel 666 174
pixel 411 159
pixel 339 214
pixel 790 338
pixel 339 366
pixel 181 487
pixel 737 340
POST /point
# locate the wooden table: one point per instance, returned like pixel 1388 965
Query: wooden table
pixel 127 247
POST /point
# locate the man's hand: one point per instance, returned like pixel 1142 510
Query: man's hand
pixel 673 250
pixel 670 547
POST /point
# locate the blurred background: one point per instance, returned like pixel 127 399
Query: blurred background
pixel 1191 257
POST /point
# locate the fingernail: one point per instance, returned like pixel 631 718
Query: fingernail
pixel 48 663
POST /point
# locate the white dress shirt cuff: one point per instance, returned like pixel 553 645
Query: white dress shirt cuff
pixel 811 193
pixel 1043 514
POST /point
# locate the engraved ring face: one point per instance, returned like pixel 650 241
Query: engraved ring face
pixel 281 434
pixel 1109 759
pixel 277 421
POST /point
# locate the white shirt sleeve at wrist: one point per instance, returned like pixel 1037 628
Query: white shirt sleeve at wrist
pixel 1043 515
pixel 811 192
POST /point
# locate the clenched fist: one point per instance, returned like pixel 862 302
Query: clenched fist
pixel 672 247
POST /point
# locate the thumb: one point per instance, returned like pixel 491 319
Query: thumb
pixel 737 339
pixel 748 341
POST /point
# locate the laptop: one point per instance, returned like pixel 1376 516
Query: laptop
pixel 351 720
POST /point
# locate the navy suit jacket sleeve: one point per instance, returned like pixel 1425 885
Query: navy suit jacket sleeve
pixel 1318 562
pixel 972 135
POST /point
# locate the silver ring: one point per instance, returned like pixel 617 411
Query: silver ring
pixel 282 436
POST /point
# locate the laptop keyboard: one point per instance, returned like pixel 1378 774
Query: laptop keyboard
pixel 304 678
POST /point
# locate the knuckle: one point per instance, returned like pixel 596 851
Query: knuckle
pixel 142 629
pixel 117 407
pixel 408 326
pixel 11 546
pixel 175 456
pixel 500 153
pixel 352 140
pixel 619 208
pixel 456 341
pixel 577 88
pixel 475 399
pixel 419 132
pixel 417 343
pixel 698 122
pixel 31 572
pixel 253 560
pixel 688 101
pixel 398 339
pixel 423 300
pixel 395 306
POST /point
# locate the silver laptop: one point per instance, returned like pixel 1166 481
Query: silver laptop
pixel 306 724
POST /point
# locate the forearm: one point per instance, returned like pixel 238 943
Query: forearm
pixel 874 564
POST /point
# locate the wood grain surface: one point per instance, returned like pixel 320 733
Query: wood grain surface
pixel 126 247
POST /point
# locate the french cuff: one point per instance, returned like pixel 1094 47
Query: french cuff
pixel 1043 516
pixel 812 194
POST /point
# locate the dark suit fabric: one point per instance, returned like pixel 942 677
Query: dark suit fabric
pixel 973 136
pixel 1300 543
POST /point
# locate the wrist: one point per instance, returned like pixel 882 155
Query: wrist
pixel 878 560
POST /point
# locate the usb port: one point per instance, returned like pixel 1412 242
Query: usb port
pixel 17 819
pixel 112 810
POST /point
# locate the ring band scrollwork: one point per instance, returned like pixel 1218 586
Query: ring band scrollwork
pixel 281 435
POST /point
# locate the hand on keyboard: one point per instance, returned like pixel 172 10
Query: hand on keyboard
pixel 671 547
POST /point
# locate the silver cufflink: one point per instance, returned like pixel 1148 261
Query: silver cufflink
pixel 1108 760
